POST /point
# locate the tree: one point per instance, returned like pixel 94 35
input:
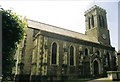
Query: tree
pixel 12 34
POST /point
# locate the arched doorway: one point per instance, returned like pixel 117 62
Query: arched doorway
pixel 96 68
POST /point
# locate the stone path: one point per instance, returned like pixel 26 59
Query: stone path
pixel 100 80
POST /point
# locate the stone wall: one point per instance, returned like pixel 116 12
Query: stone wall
pixel 45 68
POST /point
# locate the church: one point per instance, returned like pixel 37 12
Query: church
pixel 50 52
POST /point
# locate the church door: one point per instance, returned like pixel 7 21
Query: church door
pixel 96 68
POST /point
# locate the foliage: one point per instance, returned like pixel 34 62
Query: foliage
pixel 12 34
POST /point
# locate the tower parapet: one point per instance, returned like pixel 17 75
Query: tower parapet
pixel 93 8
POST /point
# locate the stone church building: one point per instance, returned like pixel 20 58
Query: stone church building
pixel 50 52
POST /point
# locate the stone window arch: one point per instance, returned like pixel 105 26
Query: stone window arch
pixel 86 52
pixel 71 55
pixel 54 53
pixel 92 20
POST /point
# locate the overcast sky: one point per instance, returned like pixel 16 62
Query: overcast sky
pixel 66 14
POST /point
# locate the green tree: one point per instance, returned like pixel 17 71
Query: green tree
pixel 12 34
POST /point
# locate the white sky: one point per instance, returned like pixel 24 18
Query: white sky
pixel 66 14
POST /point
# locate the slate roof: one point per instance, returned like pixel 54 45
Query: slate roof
pixel 61 31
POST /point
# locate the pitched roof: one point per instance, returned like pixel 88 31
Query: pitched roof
pixel 61 31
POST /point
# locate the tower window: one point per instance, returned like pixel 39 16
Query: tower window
pixel 89 22
pixel 100 22
pixel 92 21
pixel 71 55
pixel 54 53
pixel 103 22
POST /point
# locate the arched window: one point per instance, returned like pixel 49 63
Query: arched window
pixel 98 53
pixel 89 22
pixel 71 55
pixel 92 21
pixel 108 59
pixel 86 51
pixel 54 53
pixel 100 22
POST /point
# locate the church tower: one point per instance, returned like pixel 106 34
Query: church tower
pixel 96 25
